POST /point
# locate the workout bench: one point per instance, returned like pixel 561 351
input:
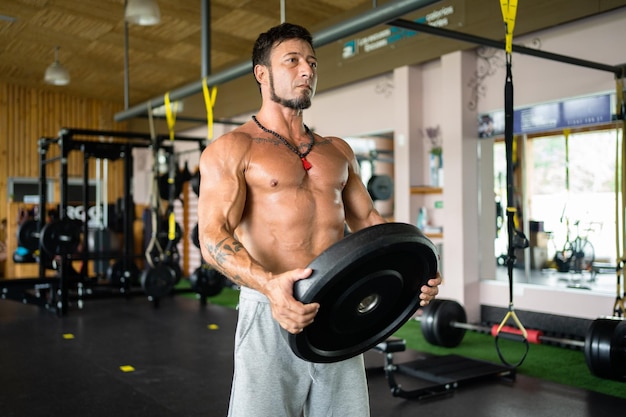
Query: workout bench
pixel 438 375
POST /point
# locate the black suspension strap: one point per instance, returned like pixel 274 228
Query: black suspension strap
pixel 516 239
pixel 154 247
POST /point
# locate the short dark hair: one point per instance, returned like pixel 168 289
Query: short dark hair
pixel 276 35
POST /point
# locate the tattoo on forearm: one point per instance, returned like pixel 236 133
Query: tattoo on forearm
pixel 223 249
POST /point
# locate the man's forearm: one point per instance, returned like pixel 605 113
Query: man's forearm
pixel 231 259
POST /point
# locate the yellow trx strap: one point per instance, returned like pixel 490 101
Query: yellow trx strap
pixel 511 314
pixel 169 114
pixel 209 100
pixel 513 212
pixel 509 11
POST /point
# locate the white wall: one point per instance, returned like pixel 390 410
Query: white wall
pixel 538 80
pixel 598 39
pixel 360 109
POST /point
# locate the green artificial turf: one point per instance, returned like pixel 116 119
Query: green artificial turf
pixel 229 297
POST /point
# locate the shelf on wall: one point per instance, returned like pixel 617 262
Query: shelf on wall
pixel 424 189
pixel 434 235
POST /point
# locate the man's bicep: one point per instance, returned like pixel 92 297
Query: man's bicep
pixel 358 205
pixel 222 191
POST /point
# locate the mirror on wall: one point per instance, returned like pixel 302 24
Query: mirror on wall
pixel 375 157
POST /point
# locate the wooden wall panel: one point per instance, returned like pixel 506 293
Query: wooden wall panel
pixel 28 114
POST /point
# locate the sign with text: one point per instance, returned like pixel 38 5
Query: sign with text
pixel 577 112
pixel 388 36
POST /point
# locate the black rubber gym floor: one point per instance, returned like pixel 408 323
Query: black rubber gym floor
pixel 123 357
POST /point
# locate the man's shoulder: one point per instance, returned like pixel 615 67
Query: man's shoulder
pixel 338 143
pixel 229 146
pixel 239 137
pixel 242 132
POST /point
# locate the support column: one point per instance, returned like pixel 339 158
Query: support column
pixel 408 156
pixel 461 190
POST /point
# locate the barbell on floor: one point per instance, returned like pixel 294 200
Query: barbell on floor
pixel 444 322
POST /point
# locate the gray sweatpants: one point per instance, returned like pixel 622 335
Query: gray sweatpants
pixel 271 381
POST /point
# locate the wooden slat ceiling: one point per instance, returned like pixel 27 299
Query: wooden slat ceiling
pixel 90 34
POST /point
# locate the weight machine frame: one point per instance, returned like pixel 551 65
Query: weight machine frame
pixel 119 147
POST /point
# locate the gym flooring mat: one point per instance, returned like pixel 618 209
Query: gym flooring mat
pixel 124 357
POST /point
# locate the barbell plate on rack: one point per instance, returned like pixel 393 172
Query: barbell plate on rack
pixel 28 236
pixel 437 319
pixel 61 237
pixel 602 348
pixel 368 285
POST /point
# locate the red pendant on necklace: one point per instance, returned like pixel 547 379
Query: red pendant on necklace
pixel 306 164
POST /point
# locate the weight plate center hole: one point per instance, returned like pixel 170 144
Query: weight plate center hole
pixel 368 303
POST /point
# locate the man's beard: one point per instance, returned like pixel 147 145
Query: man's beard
pixel 300 103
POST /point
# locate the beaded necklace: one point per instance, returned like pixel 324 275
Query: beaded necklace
pixel 306 164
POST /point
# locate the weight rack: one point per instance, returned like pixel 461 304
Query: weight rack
pixel 54 292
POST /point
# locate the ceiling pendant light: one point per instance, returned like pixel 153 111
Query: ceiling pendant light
pixel 56 74
pixel 142 12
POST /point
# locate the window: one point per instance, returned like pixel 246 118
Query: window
pixel 570 187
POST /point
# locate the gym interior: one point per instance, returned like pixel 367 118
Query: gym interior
pixel 502 143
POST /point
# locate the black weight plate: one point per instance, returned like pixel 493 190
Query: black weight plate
pixel 178 270
pixel 195 183
pixel 195 238
pixel 618 351
pixel 206 281
pixel 164 186
pixel 445 333
pixel 159 281
pixel 163 233
pixel 598 342
pixel 427 321
pixel 123 275
pixel 28 235
pixel 380 187
pixel 61 237
pixel 368 285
